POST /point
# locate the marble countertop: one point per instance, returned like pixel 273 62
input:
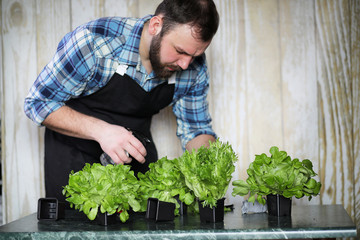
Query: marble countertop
pixel 312 221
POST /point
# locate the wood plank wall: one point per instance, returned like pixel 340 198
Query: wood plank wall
pixel 284 73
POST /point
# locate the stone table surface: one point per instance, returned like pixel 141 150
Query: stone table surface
pixel 311 221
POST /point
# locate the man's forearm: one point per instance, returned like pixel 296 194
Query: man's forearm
pixel 198 141
pixel 115 140
pixel 72 123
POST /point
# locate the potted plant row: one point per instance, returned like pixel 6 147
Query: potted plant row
pixel 278 178
pixel 197 180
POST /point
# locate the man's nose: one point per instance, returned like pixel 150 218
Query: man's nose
pixel 184 62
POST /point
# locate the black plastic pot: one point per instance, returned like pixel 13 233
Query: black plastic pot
pixel 50 209
pixel 278 205
pixel 214 214
pixel 183 206
pixel 104 219
pixel 159 210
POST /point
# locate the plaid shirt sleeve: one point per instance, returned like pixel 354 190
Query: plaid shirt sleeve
pixel 191 106
pixel 75 70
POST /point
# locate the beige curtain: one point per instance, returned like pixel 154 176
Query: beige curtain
pixel 284 73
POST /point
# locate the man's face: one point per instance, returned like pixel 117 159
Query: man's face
pixel 175 50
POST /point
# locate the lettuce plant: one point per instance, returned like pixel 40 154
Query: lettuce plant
pixel 110 188
pixel 278 174
pixel 165 182
pixel 208 171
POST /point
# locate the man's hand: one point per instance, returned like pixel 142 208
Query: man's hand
pixel 198 141
pixel 115 140
pixel 121 148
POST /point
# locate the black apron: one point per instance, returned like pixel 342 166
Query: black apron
pixel 123 102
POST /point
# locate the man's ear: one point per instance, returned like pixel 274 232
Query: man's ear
pixel 155 25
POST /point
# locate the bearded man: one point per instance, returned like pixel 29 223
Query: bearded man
pixel 108 77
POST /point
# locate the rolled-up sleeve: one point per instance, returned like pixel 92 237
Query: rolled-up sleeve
pixel 64 77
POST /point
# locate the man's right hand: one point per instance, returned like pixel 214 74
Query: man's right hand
pixel 119 148
pixel 115 140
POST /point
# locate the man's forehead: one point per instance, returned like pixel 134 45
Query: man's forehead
pixel 186 38
pixel 187 28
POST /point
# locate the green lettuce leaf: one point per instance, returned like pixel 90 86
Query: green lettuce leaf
pixel 165 182
pixel 110 189
pixel 208 171
pixel 278 174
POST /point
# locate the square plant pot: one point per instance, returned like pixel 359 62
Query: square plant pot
pixel 214 214
pixel 278 205
pixel 183 206
pixel 50 209
pixel 159 210
pixel 105 219
pixel 151 208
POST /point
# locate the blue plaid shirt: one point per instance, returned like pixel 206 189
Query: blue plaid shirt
pixel 87 58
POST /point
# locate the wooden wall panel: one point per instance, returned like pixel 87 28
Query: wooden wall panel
pixel 335 123
pixel 263 78
pixel 83 11
pixel 21 153
pixel 124 8
pixel 52 23
pixel 298 82
pixel 145 7
pixel 355 79
pixel 1 115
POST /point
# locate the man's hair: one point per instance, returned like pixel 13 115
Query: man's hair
pixel 201 15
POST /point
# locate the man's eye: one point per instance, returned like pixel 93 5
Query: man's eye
pixel 180 51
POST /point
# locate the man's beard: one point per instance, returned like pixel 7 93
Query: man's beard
pixel 160 70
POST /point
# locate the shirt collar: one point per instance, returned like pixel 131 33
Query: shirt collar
pixel 130 53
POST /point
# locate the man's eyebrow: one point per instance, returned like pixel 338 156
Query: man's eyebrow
pixel 182 51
